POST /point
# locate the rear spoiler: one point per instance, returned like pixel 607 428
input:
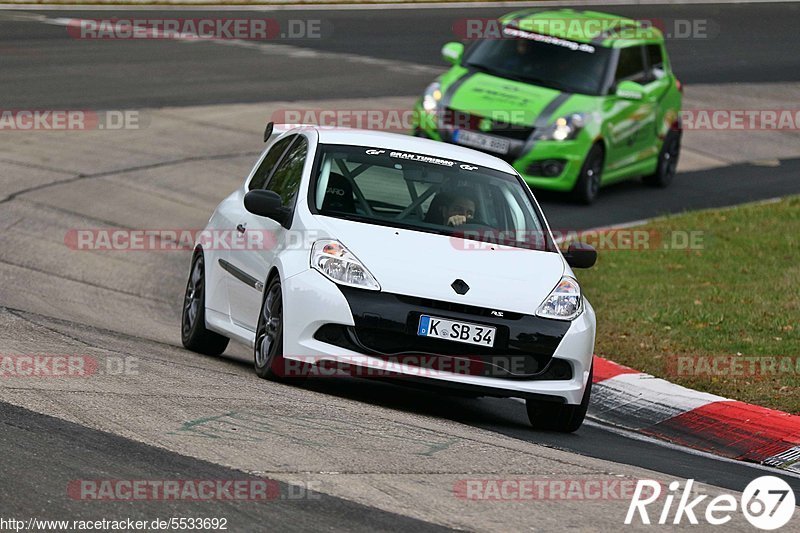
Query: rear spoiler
pixel 273 130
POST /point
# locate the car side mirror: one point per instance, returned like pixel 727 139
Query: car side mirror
pixel 265 204
pixel 580 255
pixel 630 90
pixel 452 52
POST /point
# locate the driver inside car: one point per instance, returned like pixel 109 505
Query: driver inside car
pixel 452 208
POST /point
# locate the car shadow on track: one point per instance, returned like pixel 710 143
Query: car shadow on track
pixel 508 417
pixel 502 415
pixel 383 392
pixel 505 416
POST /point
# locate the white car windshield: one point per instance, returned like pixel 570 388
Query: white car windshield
pixel 426 193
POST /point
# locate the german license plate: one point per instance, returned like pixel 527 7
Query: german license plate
pixel 452 330
pixel 479 140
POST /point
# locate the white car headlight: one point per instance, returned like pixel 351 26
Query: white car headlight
pixel 563 129
pixel 431 98
pixel 564 303
pixel 339 265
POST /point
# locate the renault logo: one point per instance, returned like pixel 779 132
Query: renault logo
pixel 460 286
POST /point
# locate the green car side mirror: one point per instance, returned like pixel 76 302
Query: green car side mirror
pixel 452 52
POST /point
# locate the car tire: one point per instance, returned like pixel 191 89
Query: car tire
pixel 194 334
pixel 587 187
pixel 559 417
pixel 667 161
pixel 268 348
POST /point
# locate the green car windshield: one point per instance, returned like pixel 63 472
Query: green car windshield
pixel 426 193
pixel 542 60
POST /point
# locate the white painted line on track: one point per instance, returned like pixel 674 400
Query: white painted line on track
pixel 274 49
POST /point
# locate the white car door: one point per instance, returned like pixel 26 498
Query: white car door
pixel 263 236
pixel 230 214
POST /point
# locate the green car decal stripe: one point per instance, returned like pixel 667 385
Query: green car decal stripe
pixel 448 94
pixel 544 117
pixel 543 120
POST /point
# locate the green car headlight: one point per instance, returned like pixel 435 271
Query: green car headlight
pixel 431 98
pixel 563 129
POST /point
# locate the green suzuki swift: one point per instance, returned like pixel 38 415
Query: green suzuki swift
pixel 574 100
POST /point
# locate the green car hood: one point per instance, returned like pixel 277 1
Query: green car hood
pixel 507 100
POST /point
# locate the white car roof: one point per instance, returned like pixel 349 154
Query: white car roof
pixel 406 143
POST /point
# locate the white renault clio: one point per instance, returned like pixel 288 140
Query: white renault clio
pixel 392 253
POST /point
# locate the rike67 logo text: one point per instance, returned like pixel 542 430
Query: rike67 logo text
pixel 767 502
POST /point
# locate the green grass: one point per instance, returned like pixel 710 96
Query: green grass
pixel 739 293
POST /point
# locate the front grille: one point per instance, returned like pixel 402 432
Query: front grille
pixel 457 308
pixel 453 119
pixel 386 325
pixel 449 356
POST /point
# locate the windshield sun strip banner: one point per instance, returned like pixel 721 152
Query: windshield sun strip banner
pixel 548 39
pixel 420 158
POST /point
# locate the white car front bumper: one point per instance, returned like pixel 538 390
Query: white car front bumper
pixel 312 301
